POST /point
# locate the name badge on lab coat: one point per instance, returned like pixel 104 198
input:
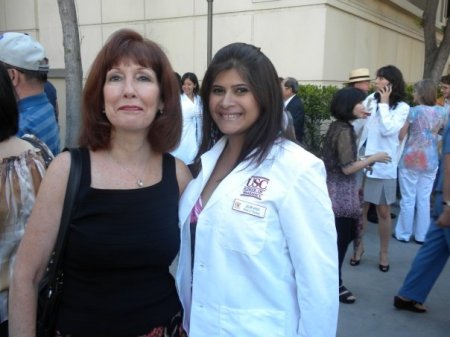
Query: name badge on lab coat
pixel 249 208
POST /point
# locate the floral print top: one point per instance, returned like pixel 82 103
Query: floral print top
pixel 421 148
pixel 20 177
pixel 339 151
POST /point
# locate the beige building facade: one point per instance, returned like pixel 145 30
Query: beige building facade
pixel 315 41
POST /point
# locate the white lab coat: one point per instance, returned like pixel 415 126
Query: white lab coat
pixel 192 129
pixel 379 133
pixel 266 255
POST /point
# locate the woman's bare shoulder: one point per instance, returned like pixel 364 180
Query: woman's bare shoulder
pixel 184 175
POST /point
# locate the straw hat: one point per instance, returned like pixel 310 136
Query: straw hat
pixel 359 75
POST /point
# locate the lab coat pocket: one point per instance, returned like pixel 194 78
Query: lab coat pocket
pixel 243 233
pixel 251 322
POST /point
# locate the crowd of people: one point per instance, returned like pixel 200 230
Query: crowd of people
pixel 410 136
pixel 218 175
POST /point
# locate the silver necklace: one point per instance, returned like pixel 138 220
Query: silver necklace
pixel 139 181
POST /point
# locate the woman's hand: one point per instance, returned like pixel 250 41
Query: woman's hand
pixel 385 93
pixel 444 218
pixel 380 157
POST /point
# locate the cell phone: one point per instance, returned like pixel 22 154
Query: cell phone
pixel 377 96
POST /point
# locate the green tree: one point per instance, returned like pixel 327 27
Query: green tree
pixel 316 100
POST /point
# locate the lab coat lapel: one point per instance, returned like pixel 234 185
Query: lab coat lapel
pixel 195 188
pixel 234 182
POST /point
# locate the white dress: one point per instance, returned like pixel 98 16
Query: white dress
pixel 192 128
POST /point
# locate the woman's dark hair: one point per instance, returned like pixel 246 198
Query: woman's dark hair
pixel 344 101
pixel 426 92
pixel 178 77
pixel 9 113
pixel 258 71
pixel 127 45
pixel 395 78
pixel 193 78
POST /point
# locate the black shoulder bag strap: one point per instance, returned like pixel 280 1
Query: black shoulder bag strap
pixel 51 285
pixel 73 184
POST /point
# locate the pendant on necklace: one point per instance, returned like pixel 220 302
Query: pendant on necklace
pixel 140 183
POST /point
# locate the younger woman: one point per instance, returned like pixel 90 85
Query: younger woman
pixel 191 107
pixel 258 252
pixel 387 114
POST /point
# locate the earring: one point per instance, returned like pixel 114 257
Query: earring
pixel 160 111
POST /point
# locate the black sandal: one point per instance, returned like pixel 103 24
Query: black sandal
pixel 345 295
pixel 409 305
pixel 354 261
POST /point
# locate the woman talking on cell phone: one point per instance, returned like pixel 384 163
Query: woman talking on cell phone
pixel 380 133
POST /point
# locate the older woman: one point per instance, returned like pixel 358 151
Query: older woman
pixel 419 162
pixel 124 229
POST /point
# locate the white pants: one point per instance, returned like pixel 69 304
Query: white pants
pixel 414 217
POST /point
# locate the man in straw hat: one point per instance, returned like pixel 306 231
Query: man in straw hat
pixel 359 78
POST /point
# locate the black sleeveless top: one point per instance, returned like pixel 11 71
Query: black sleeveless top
pixel 121 243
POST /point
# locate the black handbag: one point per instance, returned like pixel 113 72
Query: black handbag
pixel 50 286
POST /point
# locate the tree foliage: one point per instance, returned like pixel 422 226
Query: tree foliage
pixel 316 100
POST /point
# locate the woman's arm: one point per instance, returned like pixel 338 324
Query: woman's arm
pixel 366 162
pixel 392 120
pixel 184 176
pixel 311 238
pixel 403 131
pixel 35 248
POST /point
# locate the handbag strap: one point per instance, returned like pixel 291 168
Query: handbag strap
pixel 73 184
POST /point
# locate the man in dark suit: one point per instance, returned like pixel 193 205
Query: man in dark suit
pixel 294 105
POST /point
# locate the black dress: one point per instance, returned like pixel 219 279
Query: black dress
pixel 121 244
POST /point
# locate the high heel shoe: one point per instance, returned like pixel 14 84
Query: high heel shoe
pixel 383 268
pixel 354 261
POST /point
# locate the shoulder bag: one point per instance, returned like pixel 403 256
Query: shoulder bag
pixel 51 284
